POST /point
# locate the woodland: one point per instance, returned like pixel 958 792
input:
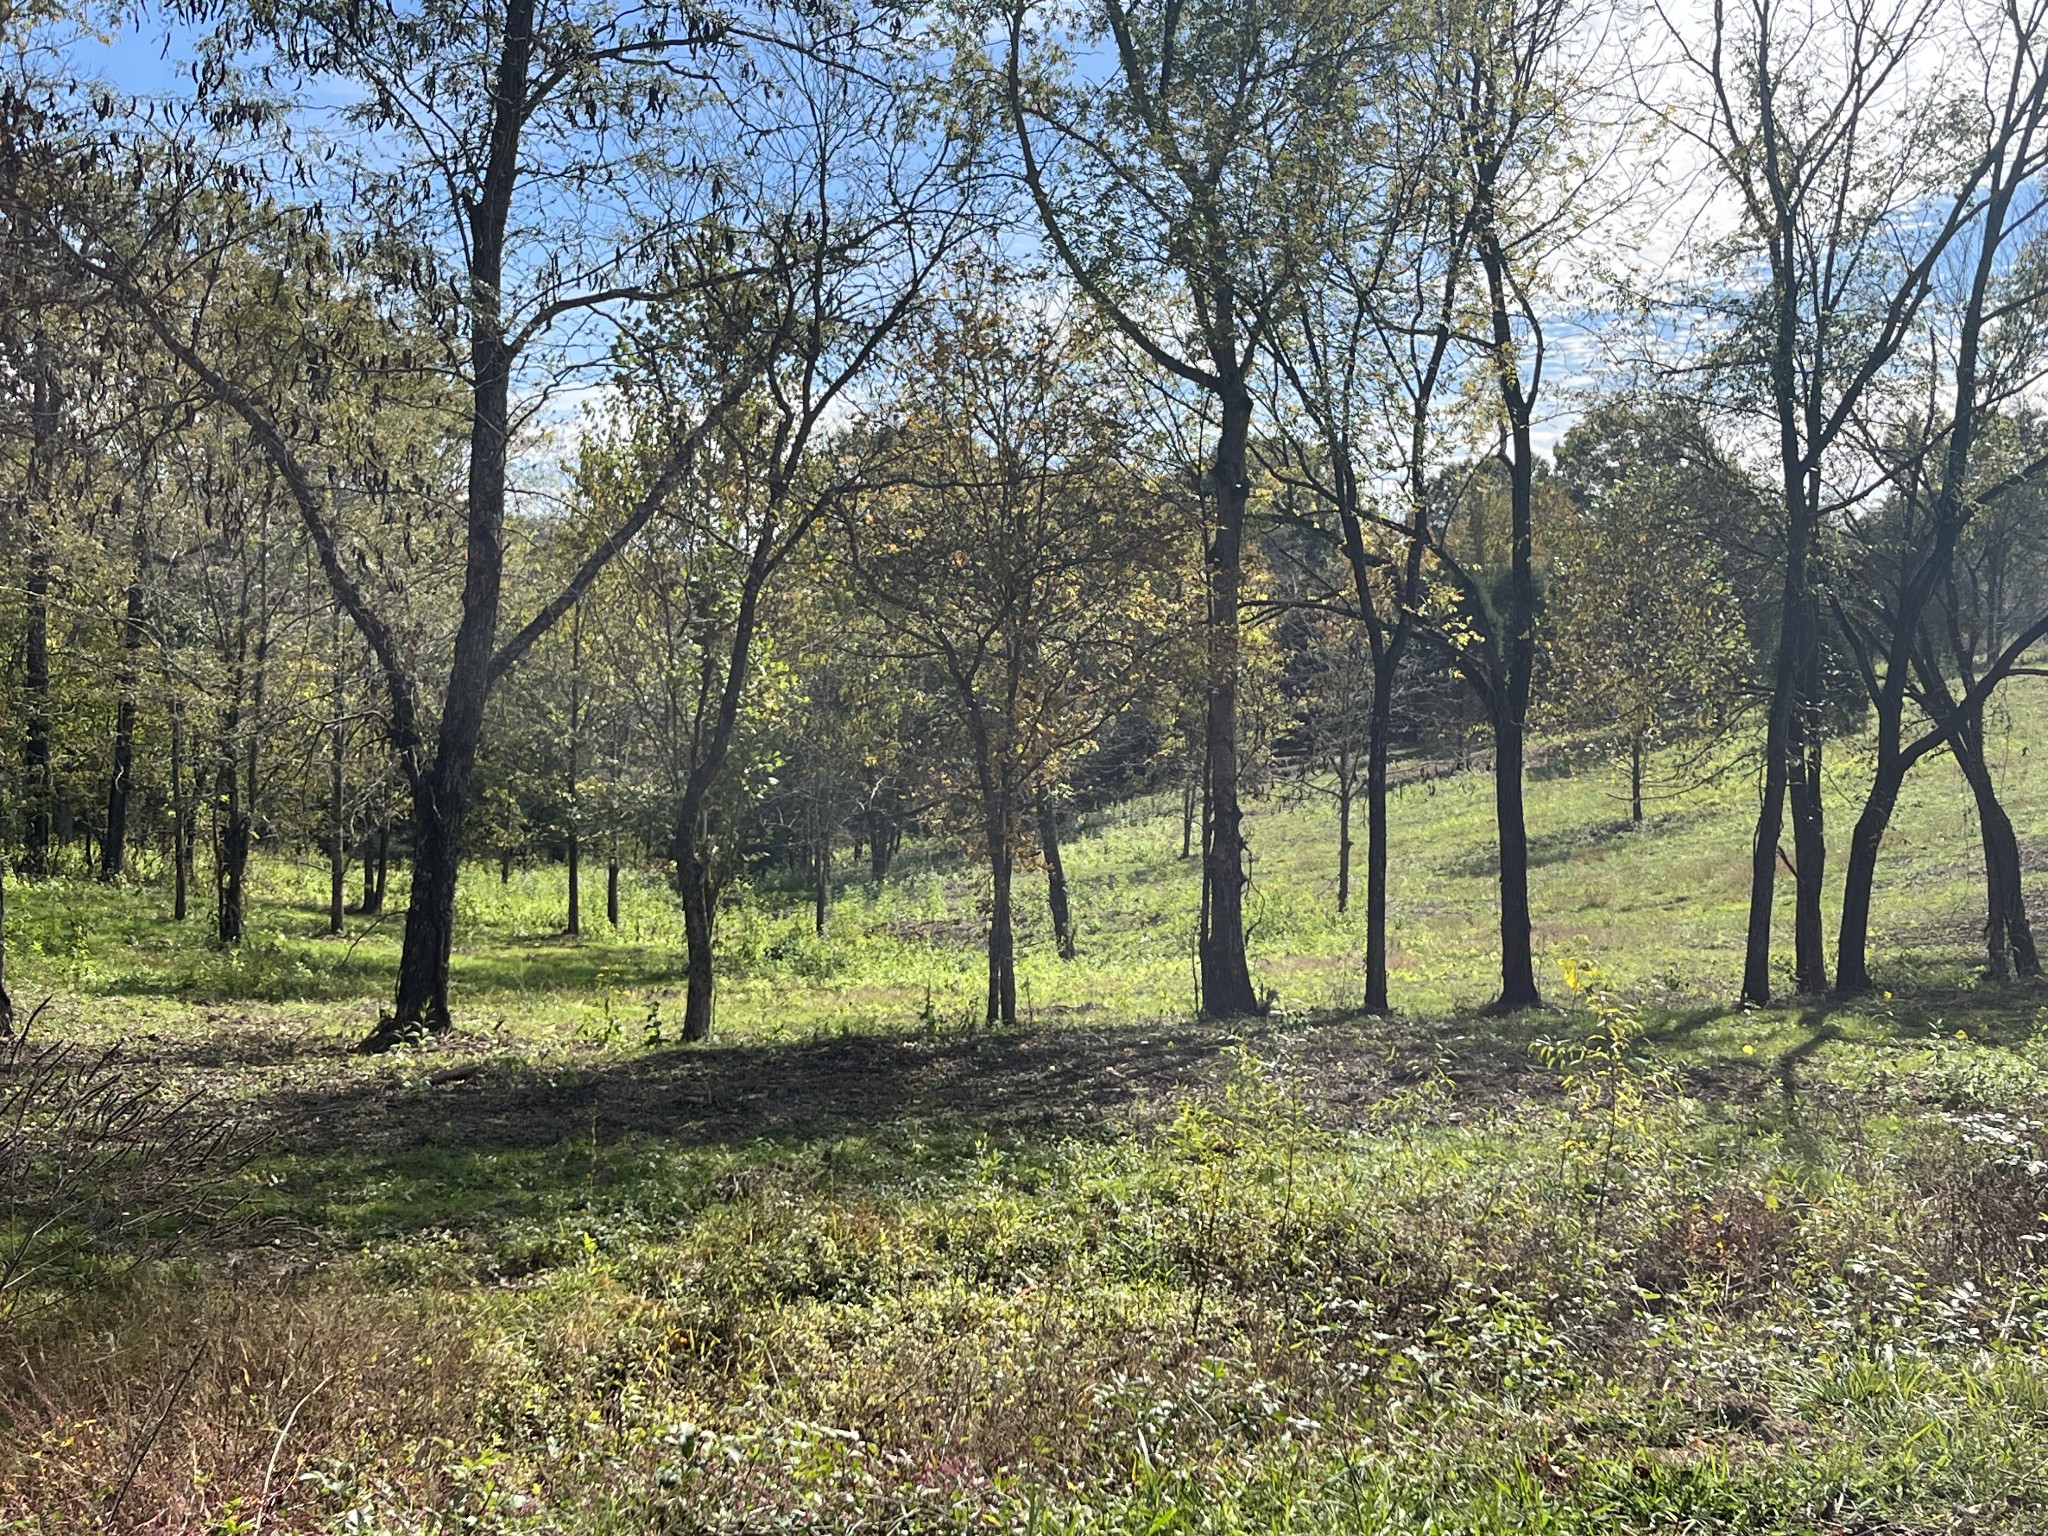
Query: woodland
pixel 1103 766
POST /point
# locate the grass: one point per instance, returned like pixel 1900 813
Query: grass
pixel 1642 1262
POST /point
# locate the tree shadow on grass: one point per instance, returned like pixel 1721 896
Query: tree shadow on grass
pixel 735 1095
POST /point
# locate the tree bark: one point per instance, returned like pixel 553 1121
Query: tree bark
pixel 1809 863
pixel 114 849
pixel 6 1002
pixel 1002 939
pixel 695 884
pixel 38 775
pixel 884 836
pixel 1860 875
pixel 575 926
pixel 181 819
pixel 1376 998
pixel 1517 960
pixel 337 794
pixel 611 890
pixel 821 888
pixel 1055 874
pixel 38 784
pixel 1226 981
pixel 232 836
pixel 1635 778
pixel 2008 931
pixel 440 789
pixel 1344 792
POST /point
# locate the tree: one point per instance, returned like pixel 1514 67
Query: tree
pixel 1985 347
pixel 1990 595
pixel 854 216
pixel 1013 554
pixel 1333 689
pixel 1366 358
pixel 1175 188
pixel 1835 131
pixel 1643 635
pixel 486 190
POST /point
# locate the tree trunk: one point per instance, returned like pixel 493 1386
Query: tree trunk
pixel 1376 1001
pixel 1517 960
pixel 575 927
pixel 181 819
pixel 821 887
pixel 1515 648
pixel 2008 931
pixel 1635 778
pixel 337 795
pixel 575 744
pixel 1055 874
pixel 1187 819
pixel 114 850
pixel 423 959
pixel 441 788
pixel 39 787
pixel 1852 968
pixel 39 790
pixel 1226 979
pixel 231 842
pixel 376 863
pixel 1782 738
pixel 611 890
pixel 6 1002
pixel 694 880
pixel 1002 940
pixel 1809 858
pixel 883 839
pixel 1344 792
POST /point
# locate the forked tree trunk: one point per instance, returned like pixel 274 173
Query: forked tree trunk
pixel 2008 931
pixel 1055 874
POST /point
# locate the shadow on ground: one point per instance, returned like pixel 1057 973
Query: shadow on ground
pixel 730 1095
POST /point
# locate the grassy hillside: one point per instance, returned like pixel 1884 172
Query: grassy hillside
pixel 1641 1261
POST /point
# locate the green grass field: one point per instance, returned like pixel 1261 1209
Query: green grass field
pixel 1643 1261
